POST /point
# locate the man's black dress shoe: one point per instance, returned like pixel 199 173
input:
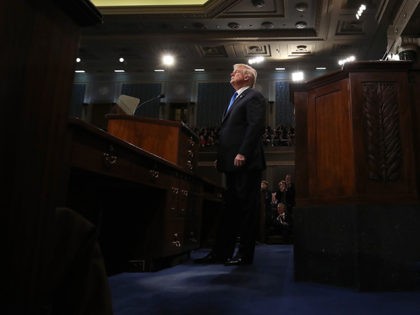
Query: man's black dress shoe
pixel 238 261
pixel 210 258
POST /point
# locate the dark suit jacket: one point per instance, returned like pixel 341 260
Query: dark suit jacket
pixel 241 132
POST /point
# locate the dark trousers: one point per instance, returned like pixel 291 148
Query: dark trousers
pixel 240 214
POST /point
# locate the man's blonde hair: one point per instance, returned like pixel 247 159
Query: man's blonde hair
pixel 247 69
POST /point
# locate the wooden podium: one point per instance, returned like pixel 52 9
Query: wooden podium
pixel 357 217
pixel 171 140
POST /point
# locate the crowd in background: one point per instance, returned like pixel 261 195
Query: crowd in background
pixel 278 207
pixel 279 136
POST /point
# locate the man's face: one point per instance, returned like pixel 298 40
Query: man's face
pixel 238 78
pixel 282 186
pixel 281 208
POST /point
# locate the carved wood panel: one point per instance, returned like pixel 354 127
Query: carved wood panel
pixel 383 142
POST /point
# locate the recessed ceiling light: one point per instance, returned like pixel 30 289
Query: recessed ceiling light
pixel 320 68
pixel 258 3
pixel 199 70
pixel 80 71
pixel 301 24
pixel 280 69
pixel 159 70
pixel 297 76
pixel 348 59
pixel 119 70
pixel 168 60
pixel 267 25
pixel 258 59
pixel 233 25
pixel 301 6
pixel 359 13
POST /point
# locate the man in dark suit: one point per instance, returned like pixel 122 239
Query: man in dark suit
pixel 241 158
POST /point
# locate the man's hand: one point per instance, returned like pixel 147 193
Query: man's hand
pixel 239 160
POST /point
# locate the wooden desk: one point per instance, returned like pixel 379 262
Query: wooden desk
pixel 148 210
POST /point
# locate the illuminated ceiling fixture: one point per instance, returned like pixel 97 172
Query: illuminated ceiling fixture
pixel 256 60
pixel 78 59
pixel 119 70
pixel 121 59
pixel 348 59
pixel 297 76
pixel 359 13
pixel 168 60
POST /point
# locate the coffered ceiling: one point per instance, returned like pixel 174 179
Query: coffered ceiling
pixel 215 34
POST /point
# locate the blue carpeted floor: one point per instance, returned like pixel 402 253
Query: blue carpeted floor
pixel 266 287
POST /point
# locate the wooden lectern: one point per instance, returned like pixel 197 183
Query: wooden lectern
pixel 173 141
pixel 357 217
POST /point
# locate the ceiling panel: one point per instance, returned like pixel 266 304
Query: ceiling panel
pixel 223 32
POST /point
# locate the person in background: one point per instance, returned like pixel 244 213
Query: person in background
pixel 282 194
pixel 240 157
pixel 281 222
pixel 290 186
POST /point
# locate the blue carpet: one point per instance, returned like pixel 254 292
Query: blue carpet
pixel 266 287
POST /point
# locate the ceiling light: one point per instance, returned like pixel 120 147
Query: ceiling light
pixel 280 69
pixel 348 59
pixel 258 3
pixel 168 60
pixel 80 71
pixel 267 25
pixel 199 70
pixel 297 76
pixel 78 59
pixel 233 25
pixel 301 7
pixel 321 68
pixel 121 59
pixel 258 59
pixel 159 70
pixel 119 70
pixel 301 24
pixel 359 13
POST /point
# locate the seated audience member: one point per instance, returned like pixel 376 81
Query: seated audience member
pixel 282 194
pixel 281 223
pixel 290 186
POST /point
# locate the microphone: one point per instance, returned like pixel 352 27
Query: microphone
pixel 148 101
